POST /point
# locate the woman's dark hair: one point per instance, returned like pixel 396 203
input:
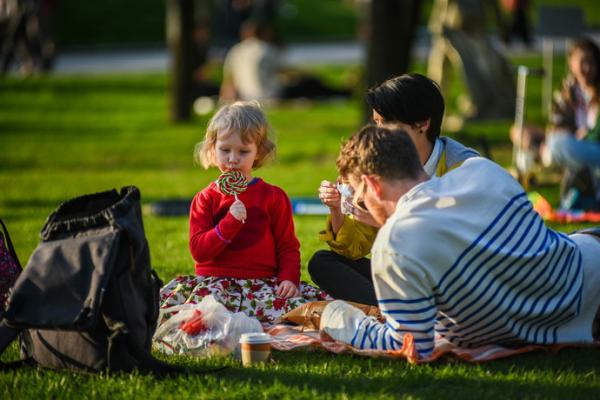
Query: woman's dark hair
pixel 590 47
pixel 409 98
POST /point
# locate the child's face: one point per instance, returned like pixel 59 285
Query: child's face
pixel 232 153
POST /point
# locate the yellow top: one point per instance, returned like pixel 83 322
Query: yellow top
pixel 355 239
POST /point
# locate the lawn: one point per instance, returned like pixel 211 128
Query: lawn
pixel 66 136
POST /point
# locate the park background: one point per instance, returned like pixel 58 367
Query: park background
pixel 67 134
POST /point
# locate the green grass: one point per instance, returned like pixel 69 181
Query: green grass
pixel 66 136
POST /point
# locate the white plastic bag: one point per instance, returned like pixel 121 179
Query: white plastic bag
pixel 205 329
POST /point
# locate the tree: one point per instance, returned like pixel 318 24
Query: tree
pixel 180 22
pixel 391 27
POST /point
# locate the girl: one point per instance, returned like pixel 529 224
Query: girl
pixel 245 249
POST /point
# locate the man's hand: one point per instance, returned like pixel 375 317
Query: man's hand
pixel 340 320
pixel 365 218
pixel 287 289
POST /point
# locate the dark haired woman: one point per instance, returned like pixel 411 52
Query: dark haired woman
pixel 573 138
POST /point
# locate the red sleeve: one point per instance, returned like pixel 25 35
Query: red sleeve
pixel 206 239
pixel 287 247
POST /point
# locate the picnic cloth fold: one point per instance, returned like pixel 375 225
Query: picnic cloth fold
pixel 289 337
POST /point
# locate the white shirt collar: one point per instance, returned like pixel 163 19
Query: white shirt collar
pixel 431 165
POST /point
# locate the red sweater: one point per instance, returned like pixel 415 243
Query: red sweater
pixel 265 246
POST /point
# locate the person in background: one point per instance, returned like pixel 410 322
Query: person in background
pixel 254 70
pixel 572 138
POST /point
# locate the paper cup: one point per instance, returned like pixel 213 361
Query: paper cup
pixel 256 348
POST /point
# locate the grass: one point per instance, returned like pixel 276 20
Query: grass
pixel 66 136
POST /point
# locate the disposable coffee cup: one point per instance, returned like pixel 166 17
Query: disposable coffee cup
pixel 256 348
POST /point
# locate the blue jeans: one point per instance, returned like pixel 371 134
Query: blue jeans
pixel 565 150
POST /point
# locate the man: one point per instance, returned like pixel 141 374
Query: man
pixel 463 256
pixel 254 70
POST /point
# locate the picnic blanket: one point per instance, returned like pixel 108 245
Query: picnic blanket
pixel 543 207
pixel 290 337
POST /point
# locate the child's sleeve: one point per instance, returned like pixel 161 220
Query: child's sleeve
pixel 287 246
pixel 207 240
pixel 353 240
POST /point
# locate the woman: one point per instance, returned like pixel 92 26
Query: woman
pixel 413 103
pixel 572 139
pixel 574 132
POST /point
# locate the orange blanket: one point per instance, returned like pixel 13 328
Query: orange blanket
pixel 287 337
pixel 543 207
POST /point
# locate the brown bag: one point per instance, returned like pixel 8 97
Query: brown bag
pixel 309 315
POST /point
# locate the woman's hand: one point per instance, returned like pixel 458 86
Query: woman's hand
pixel 238 210
pixel 287 289
pixel 581 133
pixel 330 196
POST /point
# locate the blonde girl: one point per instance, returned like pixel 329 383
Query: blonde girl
pixel 245 250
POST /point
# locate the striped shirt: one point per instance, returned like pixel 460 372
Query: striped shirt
pixel 466 257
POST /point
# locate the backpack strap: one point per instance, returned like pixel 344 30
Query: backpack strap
pixel 9 244
pixel 7 335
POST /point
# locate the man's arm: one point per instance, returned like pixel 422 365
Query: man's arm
pixel 405 301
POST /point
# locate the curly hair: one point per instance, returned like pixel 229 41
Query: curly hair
pixel 245 118
pixel 384 151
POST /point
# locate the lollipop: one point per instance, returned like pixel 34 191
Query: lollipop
pixel 232 182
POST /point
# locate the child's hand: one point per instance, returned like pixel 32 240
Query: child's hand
pixel 238 210
pixel 287 289
pixel 329 195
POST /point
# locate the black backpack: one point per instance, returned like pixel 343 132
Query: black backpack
pixel 88 298
pixel 579 190
pixel 10 267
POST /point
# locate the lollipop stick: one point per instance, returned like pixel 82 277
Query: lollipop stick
pixel 236 199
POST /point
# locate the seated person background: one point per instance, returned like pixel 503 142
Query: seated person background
pixel 254 70
pixel 463 256
pixel 572 141
pixel 414 103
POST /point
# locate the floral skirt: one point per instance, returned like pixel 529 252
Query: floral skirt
pixel 254 297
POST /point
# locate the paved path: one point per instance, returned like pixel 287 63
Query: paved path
pixel 157 60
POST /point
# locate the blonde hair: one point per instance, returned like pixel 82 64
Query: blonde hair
pixel 245 118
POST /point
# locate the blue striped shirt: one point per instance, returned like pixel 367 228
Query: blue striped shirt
pixel 466 257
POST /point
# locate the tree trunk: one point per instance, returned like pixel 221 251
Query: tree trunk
pixel 180 22
pixel 391 27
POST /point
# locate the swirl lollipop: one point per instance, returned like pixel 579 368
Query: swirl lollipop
pixel 232 182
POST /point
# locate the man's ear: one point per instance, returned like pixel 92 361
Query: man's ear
pixel 373 183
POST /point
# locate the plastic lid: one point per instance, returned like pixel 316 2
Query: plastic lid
pixel 255 338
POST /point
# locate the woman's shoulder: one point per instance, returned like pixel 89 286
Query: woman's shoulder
pixel 456 153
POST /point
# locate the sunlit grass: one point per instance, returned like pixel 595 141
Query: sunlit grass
pixel 65 136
